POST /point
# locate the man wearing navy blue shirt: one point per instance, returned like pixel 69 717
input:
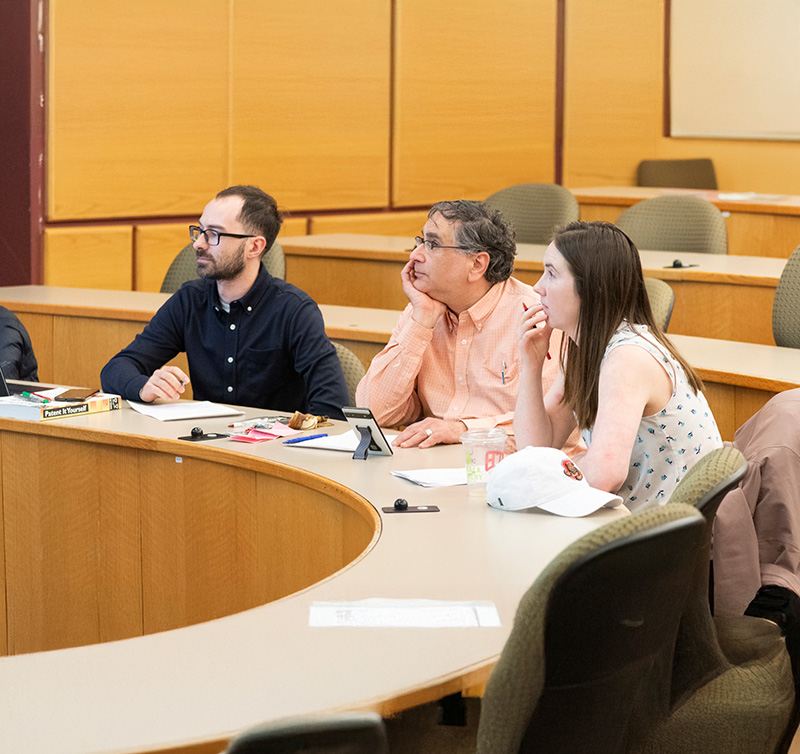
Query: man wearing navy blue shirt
pixel 250 339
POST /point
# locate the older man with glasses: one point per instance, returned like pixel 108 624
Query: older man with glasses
pixel 250 339
pixel 452 363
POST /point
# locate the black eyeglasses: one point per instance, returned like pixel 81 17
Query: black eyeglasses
pixel 431 245
pixel 213 236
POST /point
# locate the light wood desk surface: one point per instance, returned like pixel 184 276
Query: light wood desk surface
pixel 740 377
pixel 189 689
pixel 364 270
pixel 758 224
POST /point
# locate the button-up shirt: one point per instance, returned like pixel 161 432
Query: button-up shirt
pixel 270 350
pixel 465 368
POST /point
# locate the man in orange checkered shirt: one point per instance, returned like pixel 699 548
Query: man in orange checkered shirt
pixel 452 363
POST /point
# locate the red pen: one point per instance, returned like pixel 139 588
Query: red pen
pixel 534 327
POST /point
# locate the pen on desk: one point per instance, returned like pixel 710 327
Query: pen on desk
pixel 303 439
pixel 35 397
pixel 534 327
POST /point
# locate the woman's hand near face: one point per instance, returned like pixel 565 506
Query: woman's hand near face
pixel 534 337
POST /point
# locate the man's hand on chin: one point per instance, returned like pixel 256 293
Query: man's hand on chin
pixel 426 310
pixel 430 432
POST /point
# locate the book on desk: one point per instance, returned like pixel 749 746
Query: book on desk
pixel 19 407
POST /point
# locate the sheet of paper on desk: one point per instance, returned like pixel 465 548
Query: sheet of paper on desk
pixel 347 441
pixel 434 477
pixel 388 613
pixel 166 412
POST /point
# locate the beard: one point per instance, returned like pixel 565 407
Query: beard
pixel 227 267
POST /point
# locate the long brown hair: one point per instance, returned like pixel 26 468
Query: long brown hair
pixel 609 282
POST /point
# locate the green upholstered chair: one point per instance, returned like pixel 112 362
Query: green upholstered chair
pixel 535 209
pixel 586 667
pixel 343 733
pixel 675 223
pixel 732 687
pixel 694 173
pixel 353 370
pixel 184 267
pixel 786 305
pixel 662 301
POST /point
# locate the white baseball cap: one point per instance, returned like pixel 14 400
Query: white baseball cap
pixel 544 478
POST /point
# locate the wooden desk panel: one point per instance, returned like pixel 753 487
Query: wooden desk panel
pixel 762 225
pixel 106 542
pixel 723 296
pixel 71 514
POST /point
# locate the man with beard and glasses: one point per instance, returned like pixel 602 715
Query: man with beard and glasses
pixel 250 339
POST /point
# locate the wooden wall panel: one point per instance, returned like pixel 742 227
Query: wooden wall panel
pixel 310 101
pixel 614 107
pixel 155 246
pixel 382 224
pixel 89 257
pixel 614 57
pixel 474 98
pixel 137 107
pixel 72 543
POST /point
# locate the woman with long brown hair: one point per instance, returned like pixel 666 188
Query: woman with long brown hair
pixel 638 404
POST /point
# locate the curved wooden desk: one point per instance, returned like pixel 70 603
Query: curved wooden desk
pixel 189 689
pixel 740 377
pixel 710 298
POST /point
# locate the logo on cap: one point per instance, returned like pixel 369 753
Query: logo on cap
pixel 571 470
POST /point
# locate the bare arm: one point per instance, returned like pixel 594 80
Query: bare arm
pixel 632 385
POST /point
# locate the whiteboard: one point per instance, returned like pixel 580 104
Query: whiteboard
pixel 735 69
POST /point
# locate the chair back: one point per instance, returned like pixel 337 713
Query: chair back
pixel 695 173
pixel 343 733
pixel 352 368
pixel 732 686
pixel 786 305
pixel 675 223
pixel 587 664
pixel 709 480
pixel 535 209
pixel 184 267
pixel 662 300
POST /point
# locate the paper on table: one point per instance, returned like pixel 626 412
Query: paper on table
pixel 166 412
pixel 434 477
pixel 389 613
pixel 347 441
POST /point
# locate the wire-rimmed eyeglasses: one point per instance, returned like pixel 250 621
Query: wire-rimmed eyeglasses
pixel 431 245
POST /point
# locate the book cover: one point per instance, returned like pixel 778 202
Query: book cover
pixel 16 407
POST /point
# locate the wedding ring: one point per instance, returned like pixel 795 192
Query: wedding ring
pixel 429 432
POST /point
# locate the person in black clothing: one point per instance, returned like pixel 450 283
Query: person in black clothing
pixel 250 339
pixel 17 359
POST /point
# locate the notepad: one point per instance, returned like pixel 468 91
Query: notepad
pixel 166 412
